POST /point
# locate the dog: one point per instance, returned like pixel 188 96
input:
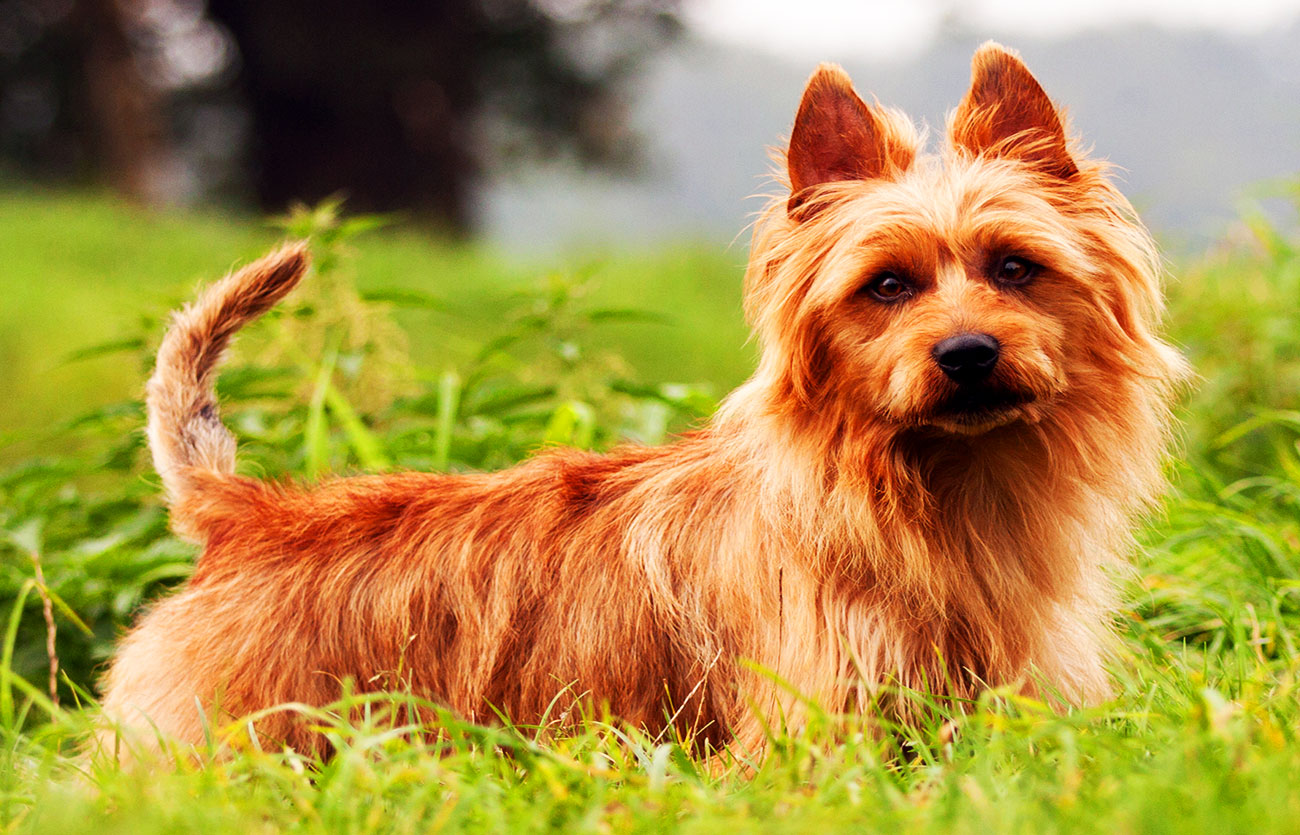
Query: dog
pixel 961 408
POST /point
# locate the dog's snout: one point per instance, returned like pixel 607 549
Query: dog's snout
pixel 967 357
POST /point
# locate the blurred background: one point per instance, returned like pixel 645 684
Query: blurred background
pixel 550 123
pixel 618 143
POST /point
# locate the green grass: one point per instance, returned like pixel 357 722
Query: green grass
pixel 494 357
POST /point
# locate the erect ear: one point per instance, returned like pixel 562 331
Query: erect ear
pixel 1007 114
pixel 836 136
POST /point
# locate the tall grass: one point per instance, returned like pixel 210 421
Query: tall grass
pixel 1201 734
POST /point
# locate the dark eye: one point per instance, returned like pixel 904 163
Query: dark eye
pixel 888 287
pixel 1015 271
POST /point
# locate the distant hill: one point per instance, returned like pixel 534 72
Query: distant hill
pixel 1193 118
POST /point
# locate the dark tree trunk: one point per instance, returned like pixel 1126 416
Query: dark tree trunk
pixel 124 109
pixel 371 99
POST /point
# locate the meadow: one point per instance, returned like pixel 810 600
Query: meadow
pixel 406 352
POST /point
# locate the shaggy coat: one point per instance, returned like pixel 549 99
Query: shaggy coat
pixel 850 518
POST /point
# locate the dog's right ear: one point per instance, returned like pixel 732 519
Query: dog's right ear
pixel 837 136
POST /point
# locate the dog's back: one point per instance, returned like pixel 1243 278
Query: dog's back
pixel 502 592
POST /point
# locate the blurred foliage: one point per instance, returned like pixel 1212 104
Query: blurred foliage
pixel 1237 316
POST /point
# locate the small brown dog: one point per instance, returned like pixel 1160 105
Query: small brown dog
pixel 962 404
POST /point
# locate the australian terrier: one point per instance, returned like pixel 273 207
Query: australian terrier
pixel 961 406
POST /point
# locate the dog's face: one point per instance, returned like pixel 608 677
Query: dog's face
pixel 957 295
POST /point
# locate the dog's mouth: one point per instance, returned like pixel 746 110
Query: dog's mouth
pixel 970 410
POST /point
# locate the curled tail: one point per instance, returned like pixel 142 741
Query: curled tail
pixel 185 433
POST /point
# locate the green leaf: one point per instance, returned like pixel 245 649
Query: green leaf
pixel 628 314
pixel 116 346
pixel 404 298
pixel 360 224
pixel 63 607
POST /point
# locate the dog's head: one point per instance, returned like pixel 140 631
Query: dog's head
pixel 954 294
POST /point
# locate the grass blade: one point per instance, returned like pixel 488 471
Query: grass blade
pixel 8 680
pixel 316 432
pixel 363 442
pixel 448 407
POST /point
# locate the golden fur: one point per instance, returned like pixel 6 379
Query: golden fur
pixel 850 518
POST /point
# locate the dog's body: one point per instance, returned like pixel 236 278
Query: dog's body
pixel 961 405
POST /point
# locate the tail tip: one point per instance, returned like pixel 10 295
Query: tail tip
pixel 270 278
pixel 291 260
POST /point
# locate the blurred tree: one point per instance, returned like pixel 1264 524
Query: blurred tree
pixel 116 90
pixel 400 104
pixel 69 72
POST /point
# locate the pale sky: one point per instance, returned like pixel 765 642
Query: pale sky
pixel 884 29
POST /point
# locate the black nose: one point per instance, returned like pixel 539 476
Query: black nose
pixel 967 357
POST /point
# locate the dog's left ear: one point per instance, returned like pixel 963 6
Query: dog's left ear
pixel 837 136
pixel 1007 114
